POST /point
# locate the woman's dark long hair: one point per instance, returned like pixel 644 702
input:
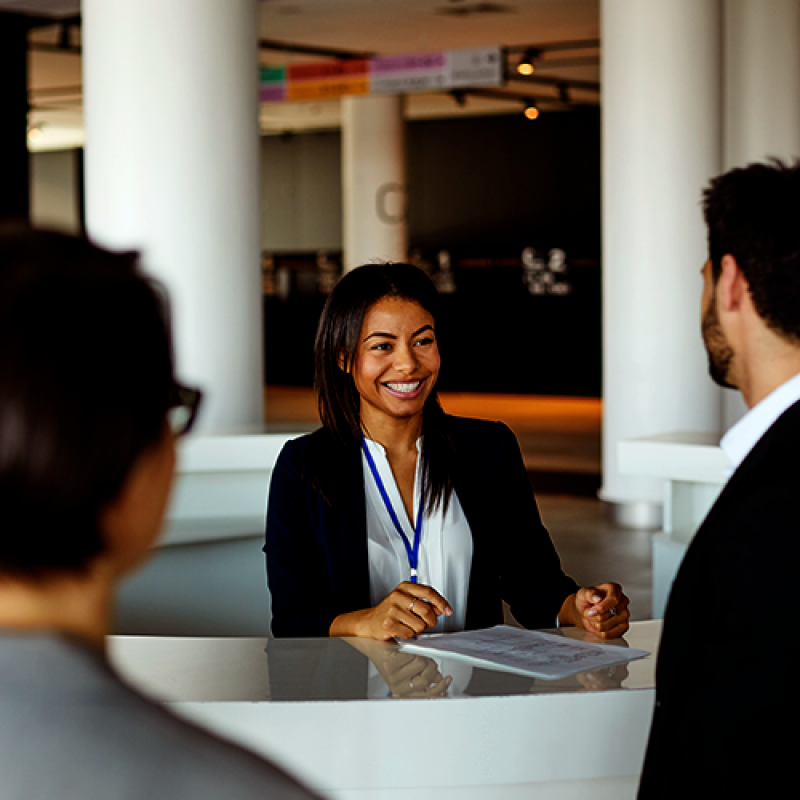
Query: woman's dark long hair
pixel 335 350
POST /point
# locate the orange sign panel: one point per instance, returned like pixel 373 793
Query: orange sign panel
pixel 322 90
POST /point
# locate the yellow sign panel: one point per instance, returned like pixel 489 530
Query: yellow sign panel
pixel 321 90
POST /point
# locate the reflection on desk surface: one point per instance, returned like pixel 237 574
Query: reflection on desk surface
pixel 259 670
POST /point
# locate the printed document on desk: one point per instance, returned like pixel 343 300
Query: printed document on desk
pixel 541 655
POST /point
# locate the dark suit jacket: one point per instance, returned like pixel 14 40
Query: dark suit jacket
pixel 317 562
pixel 724 714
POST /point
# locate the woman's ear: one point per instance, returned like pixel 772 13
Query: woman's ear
pixel 341 362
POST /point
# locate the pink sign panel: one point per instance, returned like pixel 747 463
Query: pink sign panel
pixel 271 94
pixel 425 62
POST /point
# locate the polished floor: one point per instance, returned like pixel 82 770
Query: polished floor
pixel 561 446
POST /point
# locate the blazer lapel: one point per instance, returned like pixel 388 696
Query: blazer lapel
pixel 785 427
pixel 347 527
pixel 472 497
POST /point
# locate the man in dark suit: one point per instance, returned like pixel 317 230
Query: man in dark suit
pixel 726 703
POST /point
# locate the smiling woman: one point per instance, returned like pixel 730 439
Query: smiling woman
pixel 395 518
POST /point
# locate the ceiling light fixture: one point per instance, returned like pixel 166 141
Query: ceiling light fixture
pixel 525 65
pixel 531 110
pixel 460 97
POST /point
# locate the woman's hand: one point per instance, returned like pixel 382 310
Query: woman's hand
pixel 602 610
pixel 409 675
pixel 405 674
pixel 605 678
pixel 410 609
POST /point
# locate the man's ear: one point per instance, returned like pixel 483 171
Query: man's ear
pixel 732 286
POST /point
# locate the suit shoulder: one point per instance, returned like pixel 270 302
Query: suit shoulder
pixel 768 495
pixel 467 427
pixel 481 435
pixel 318 444
pixel 316 460
pixel 200 763
pixel 134 742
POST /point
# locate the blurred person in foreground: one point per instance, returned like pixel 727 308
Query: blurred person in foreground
pixel 89 414
pixel 724 715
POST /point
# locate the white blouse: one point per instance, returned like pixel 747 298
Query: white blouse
pixel 445 551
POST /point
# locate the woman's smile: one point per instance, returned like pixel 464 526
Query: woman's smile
pixel 405 390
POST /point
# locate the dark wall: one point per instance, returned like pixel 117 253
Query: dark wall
pixel 483 189
pixel 497 337
pixel 505 182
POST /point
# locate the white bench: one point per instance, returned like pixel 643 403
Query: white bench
pixel 695 469
pixel 206 576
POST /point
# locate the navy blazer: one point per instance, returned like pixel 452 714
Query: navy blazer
pixel 316 543
pixel 723 724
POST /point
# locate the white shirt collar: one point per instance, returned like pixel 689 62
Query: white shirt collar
pixel 745 434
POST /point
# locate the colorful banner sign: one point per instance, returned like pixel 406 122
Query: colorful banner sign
pixel 416 72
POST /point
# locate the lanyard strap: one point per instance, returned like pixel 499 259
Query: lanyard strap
pixel 411 552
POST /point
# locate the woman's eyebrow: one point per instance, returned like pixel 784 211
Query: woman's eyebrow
pixel 392 336
pixel 380 333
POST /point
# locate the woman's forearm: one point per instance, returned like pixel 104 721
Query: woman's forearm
pixel 349 624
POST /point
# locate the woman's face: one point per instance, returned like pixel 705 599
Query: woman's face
pixel 397 360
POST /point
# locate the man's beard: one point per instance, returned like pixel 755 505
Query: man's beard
pixel 719 352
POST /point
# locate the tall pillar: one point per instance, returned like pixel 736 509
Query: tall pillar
pixel 661 144
pixel 761 98
pixel 374 180
pixel 14 161
pixel 171 168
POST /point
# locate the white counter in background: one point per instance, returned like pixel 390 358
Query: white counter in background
pixel 221 486
pixel 695 469
pixel 317 707
pixel 207 576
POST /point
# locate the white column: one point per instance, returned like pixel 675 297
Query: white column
pixel 172 165
pixel 761 91
pixel 374 180
pixel 661 144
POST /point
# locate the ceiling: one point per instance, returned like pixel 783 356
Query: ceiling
pixel 375 26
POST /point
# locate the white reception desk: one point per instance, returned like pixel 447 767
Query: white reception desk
pixel 322 708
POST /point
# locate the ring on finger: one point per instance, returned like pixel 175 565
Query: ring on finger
pixel 411 606
pixel 613 611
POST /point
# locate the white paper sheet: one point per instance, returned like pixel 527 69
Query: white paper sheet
pixel 542 655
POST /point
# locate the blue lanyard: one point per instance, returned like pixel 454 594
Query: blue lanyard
pixel 411 552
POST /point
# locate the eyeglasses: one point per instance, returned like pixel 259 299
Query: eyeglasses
pixel 182 412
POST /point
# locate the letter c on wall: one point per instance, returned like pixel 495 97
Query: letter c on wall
pixel 384 203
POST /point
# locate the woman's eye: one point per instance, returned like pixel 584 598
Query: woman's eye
pixel 381 346
pixel 426 340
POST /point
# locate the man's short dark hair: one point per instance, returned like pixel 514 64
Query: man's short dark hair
pixel 753 214
pixel 86 372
